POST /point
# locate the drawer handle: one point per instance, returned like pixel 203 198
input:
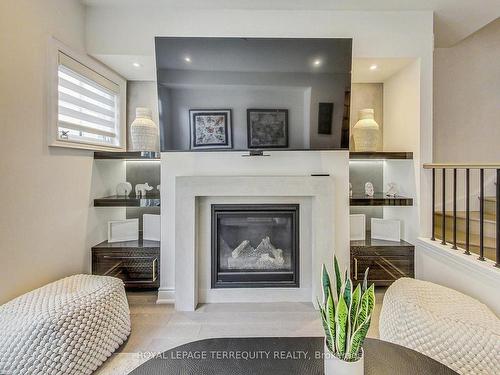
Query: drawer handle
pixel 355 268
pixel 155 261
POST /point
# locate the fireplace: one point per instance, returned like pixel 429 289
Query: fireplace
pixel 255 245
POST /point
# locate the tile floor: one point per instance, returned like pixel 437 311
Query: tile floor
pixel 157 328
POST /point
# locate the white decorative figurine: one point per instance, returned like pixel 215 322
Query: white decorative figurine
pixel 369 191
pixel 158 187
pixel 392 189
pixel 140 189
pixel 123 188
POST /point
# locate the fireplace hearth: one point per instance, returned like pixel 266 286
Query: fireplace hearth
pixel 255 245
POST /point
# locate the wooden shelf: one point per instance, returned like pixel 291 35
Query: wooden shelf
pixel 138 244
pixel 152 200
pixel 380 199
pixel 144 155
pixel 380 155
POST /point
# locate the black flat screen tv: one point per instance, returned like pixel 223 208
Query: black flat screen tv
pixel 233 94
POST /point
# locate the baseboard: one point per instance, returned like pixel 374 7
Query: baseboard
pixel 166 296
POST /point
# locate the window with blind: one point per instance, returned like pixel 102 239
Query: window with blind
pixel 89 105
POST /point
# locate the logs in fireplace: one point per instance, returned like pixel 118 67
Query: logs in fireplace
pixel 255 245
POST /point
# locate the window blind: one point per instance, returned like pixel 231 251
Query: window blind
pixel 88 110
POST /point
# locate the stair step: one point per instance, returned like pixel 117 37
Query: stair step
pixel 474 216
pixel 489 243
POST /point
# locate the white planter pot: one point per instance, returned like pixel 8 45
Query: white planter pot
pixel 366 132
pixel 336 366
pixel 143 131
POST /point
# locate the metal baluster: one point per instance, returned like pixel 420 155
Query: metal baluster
pixel 454 209
pixel 481 214
pixel 443 222
pixel 467 211
pixel 433 238
pixel 497 219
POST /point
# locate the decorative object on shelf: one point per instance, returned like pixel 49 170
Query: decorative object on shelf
pixel 210 128
pixel 151 227
pixel 369 190
pixel 325 117
pixel 143 131
pixel 346 317
pixel 140 189
pixel 123 188
pixel 366 132
pixel 267 128
pixel 392 189
pixel 350 190
pixel 385 229
pixel 123 230
pixel 158 187
pixel 357 227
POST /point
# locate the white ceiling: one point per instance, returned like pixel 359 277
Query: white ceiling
pixel 454 19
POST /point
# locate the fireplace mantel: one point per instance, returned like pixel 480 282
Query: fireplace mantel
pixel 320 189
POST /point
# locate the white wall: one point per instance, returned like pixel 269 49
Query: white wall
pixel 402 132
pixel 47 224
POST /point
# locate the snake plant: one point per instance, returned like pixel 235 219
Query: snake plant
pixel 345 314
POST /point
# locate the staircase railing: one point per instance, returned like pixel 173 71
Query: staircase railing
pixel 467 167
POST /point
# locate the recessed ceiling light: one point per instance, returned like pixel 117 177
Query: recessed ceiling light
pixel 317 62
pixel 136 65
pixel 373 67
pixel 187 59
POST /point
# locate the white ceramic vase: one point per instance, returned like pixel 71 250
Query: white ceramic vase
pixel 143 131
pixel 336 366
pixel 366 132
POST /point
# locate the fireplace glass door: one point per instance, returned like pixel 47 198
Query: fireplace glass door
pixel 255 246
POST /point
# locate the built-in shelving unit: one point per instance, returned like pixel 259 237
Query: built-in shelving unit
pixel 381 155
pixel 151 200
pixel 379 199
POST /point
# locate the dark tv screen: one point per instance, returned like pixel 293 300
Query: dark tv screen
pixel 224 94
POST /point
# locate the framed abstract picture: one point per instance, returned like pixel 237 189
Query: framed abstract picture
pixel 210 128
pixel 267 128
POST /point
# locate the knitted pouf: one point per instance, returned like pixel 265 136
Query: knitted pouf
pixel 68 327
pixel 444 324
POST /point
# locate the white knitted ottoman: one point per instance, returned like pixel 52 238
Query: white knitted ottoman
pixel 444 324
pixel 67 327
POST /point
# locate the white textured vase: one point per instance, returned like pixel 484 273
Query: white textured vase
pixel 366 132
pixel 143 131
pixel 336 366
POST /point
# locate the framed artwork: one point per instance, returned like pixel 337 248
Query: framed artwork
pixel 267 128
pixel 210 128
pixel 385 229
pixel 325 117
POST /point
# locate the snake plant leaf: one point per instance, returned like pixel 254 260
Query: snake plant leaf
pixel 355 303
pixel 330 313
pixel 341 315
pixel 365 281
pixel 348 291
pixel 357 340
pixel 367 302
pixel 338 279
pixel 325 281
pixel 328 333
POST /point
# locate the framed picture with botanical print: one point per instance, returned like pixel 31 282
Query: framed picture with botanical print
pixel 210 128
pixel 267 128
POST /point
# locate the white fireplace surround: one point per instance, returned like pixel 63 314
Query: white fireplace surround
pixel 320 191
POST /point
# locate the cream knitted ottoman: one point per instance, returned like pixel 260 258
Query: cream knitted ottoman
pixel 444 324
pixel 67 327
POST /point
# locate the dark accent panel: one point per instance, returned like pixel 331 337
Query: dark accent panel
pixel 387 260
pixel 137 263
pixel 139 155
pixel 254 278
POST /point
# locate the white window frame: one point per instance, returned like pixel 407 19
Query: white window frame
pixel 55 48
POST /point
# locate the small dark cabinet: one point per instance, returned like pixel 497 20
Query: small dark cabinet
pixel 137 263
pixel 387 260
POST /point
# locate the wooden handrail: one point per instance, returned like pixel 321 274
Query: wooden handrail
pixel 462 165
